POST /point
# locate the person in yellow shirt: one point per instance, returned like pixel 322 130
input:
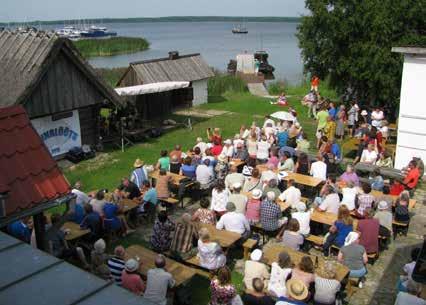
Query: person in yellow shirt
pixel 330 128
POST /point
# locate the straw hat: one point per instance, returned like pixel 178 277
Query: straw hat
pixel 222 158
pixel 256 194
pixel 138 163
pixel 296 289
pixel 131 265
pixel 256 255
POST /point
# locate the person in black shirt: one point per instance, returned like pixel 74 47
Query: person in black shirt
pixel 257 296
pixel 129 189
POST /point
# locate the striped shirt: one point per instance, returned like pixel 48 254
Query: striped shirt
pixel 116 267
pixel 325 290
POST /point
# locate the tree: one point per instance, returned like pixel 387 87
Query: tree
pixel 349 42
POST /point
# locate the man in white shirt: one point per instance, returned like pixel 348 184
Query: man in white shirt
pixel 201 145
pixel 376 117
pixel 228 149
pixel 234 222
pixel 369 155
pixel 291 195
pixel 303 217
pixel 319 168
pixel 234 177
pixel 82 197
pixel 239 200
pixel 204 174
pixel 269 174
pixel 331 202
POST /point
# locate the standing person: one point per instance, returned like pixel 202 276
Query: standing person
pixel 352 118
pixel 131 279
pixel 116 264
pixel 221 288
pixel 164 161
pixel 315 83
pixel 184 236
pixel 322 117
pixel 210 252
pixel 319 168
pixel 341 121
pixel 139 175
pixel 412 177
pixel 220 195
pixel 161 236
pixel 158 281
pixel 353 256
pixel 280 271
pixel 339 230
pixel 204 214
pixel 254 268
pixel 177 153
pixel 175 165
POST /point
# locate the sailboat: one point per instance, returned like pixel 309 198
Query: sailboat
pixel 240 29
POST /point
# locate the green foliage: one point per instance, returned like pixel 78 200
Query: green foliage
pixel 276 88
pixel 222 83
pixel 350 42
pixel 111 46
pixel 111 76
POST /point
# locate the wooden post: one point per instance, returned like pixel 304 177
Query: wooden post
pixel 39 231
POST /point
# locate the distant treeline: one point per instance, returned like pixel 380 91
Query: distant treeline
pixel 162 19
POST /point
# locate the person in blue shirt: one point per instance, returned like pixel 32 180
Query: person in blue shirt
pixel 188 169
pixel 93 222
pixel 338 232
pixel 21 229
pixel 282 138
pixel 332 111
pixel 149 200
pixel 336 151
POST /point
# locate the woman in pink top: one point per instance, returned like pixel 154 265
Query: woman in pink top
pixel 304 271
pixel 253 207
pixel 273 158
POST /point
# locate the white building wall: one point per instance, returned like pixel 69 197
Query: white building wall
pixel 412 111
pixel 200 92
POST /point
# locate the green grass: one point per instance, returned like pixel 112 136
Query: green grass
pixel 276 88
pixel 222 83
pixel 111 46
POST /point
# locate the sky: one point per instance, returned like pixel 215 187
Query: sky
pixel 29 10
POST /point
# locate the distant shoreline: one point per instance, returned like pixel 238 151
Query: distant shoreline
pixel 158 19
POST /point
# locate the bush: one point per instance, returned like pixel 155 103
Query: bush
pixel 111 46
pixel 221 83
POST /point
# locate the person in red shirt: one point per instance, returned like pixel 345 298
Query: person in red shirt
pixel 217 148
pixel 369 230
pixel 396 188
pixel 176 152
pixel 215 136
pixel 412 176
pixel 130 278
pixel 315 83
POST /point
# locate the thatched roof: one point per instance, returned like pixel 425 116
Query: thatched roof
pixel 26 57
pixel 191 67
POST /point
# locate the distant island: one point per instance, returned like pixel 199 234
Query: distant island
pixel 111 46
pixel 163 19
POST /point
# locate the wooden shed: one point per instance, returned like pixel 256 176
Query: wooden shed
pixel 175 68
pixel 59 90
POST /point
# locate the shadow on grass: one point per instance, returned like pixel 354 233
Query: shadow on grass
pixel 217 99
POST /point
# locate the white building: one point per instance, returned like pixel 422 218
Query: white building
pixel 412 110
pixel 175 68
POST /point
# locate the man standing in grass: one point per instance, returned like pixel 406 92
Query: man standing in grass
pixel 322 117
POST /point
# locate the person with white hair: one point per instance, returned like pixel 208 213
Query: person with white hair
pixel 116 264
pixel 303 217
pixel 270 214
pixel 353 256
pixel 201 145
pixel 412 296
pixel 240 200
pixel 228 149
pixel 130 278
pixel 234 222
pixel 99 259
pixel 237 141
pixel 254 268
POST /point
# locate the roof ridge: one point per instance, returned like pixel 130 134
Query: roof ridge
pixel 163 59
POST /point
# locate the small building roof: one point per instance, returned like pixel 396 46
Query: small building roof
pixel 30 276
pixel 26 57
pixel 191 67
pixel 409 50
pixel 150 88
pixel 29 175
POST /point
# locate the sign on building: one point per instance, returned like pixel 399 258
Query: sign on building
pixel 59 134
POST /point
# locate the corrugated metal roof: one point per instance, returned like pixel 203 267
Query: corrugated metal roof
pixel 184 68
pixel 25 57
pixel 34 277
pixel 28 171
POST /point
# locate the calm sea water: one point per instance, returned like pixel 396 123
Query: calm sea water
pixel 215 42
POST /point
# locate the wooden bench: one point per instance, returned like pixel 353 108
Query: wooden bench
pixel 170 200
pixel 399 227
pixel 248 245
pixel 195 262
pixel 315 239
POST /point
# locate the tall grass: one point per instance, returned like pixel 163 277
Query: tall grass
pixel 111 46
pixel 222 83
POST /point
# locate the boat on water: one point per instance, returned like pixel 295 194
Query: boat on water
pixel 97 32
pixel 252 63
pixel 239 30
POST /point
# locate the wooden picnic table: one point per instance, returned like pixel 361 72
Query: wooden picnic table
pixel 176 179
pixel 270 255
pixel 298 178
pixel 237 162
pixel 129 204
pixel 225 238
pixel 328 218
pixel 75 232
pixel 283 205
pixel 181 273
pixel 377 194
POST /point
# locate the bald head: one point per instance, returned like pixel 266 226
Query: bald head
pixel 160 261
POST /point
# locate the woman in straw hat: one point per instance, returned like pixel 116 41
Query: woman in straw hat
pixel 326 285
pixel 139 174
pixel 297 292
